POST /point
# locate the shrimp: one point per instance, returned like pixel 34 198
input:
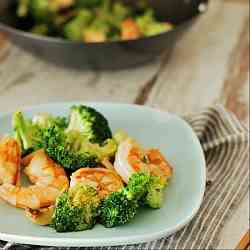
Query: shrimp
pixel 43 171
pixel 158 164
pixel 130 30
pixel 10 159
pixel 131 158
pixel 48 178
pixel 105 181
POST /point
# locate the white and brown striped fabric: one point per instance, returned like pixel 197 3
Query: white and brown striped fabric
pixel 226 143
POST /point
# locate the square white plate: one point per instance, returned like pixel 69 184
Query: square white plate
pixel 152 128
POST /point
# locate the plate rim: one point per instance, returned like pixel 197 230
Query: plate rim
pixel 112 241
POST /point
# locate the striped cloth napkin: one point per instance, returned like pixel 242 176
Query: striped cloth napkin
pixel 225 143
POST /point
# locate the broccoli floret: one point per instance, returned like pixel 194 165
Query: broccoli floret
pixel 73 30
pixel 121 207
pixel 155 192
pixel 137 186
pixel 29 135
pixel 46 120
pixel 43 10
pixel 29 132
pixel 147 189
pixel 117 210
pixel 107 150
pixel 121 12
pixel 62 148
pixel 76 209
pixel 96 32
pixel 23 8
pixel 39 9
pixel 74 148
pixel 91 123
pixel 109 17
pixel 81 143
pixel 149 26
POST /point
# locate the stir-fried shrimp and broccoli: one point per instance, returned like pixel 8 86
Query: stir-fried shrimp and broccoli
pixel 80 173
pixel 90 20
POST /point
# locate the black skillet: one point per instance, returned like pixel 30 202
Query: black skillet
pixel 108 55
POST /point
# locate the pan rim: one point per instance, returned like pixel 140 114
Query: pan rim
pixel 62 41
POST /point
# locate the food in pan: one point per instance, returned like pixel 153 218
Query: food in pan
pixel 90 21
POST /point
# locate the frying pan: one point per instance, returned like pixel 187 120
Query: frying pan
pixel 107 55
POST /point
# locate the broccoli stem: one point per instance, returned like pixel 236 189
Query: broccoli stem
pixel 21 132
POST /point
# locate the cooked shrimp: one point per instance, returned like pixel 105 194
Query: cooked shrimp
pixel 130 30
pixel 131 158
pixel 10 156
pixel 49 180
pixel 103 180
pixel 158 163
pixel 43 171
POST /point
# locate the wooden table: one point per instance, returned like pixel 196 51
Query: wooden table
pixel 210 64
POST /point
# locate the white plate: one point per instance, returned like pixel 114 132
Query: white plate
pixel 154 129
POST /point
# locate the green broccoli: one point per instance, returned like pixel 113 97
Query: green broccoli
pixel 62 148
pixel 73 150
pixel 106 150
pixel 43 10
pixel 23 8
pixel 148 24
pixel 117 210
pixel 45 14
pixel 76 146
pixel 73 30
pixel 26 133
pixel 76 209
pixel 109 17
pixel 91 123
pixel 96 32
pixel 45 120
pixel 120 12
pixel 147 189
pixel 79 142
pixel 137 186
pixel 155 192
pixel 29 132
pixel 121 207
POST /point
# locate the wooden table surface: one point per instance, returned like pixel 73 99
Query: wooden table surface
pixel 210 64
